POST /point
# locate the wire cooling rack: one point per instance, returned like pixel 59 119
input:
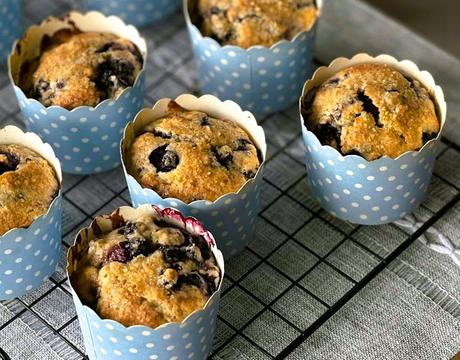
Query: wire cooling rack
pixel 302 267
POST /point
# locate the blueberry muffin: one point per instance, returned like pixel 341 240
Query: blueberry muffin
pixel 371 110
pixel 146 272
pixel 28 185
pixel 190 155
pixel 254 22
pixel 81 69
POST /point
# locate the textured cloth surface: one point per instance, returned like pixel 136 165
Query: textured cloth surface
pixel 389 319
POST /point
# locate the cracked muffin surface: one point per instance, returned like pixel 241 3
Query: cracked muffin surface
pixel 190 156
pixel 28 185
pixel 371 110
pixel 81 69
pixel 254 22
pixel 146 272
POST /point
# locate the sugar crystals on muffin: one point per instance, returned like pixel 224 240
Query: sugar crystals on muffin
pixel 81 69
pixel 249 22
pixel 28 185
pixel 190 155
pixel 371 110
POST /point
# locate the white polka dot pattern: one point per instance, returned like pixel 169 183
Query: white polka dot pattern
pixel 10 26
pixel 262 80
pixel 107 339
pixel 135 12
pixel 231 219
pixel 28 256
pixel 371 193
pixel 83 138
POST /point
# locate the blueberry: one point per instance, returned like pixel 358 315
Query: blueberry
pixel 164 160
pixel 242 144
pixel 114 46
pixel 119 253
pixel 222 156
pixel 428 136
pixel 328 134
pixel 369 107
pixel 204 121
pixel 129 228
pixel 202 244
pixel 8 162
pixel 128 250
pixel 174 255
pixel 160 133
pixel 195 279
pixel 138 247
pixel 110 46
pixel 249 174
pixel 113 74
pixel 40 88
pixel 60 84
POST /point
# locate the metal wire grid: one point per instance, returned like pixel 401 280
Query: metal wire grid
pixel 303 265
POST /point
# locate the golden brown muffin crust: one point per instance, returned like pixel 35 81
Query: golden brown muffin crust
pixel 255 22
pixel 146 273
pixel 82 69
pixel 190 156
pixel 28 185
pixel 371 110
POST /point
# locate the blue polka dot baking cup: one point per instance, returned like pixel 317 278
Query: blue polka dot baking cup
pixel 231 218
pixel 107 339
pixel 370 192
pixel 85 139
pixel 136 12
pixel 261 79
pixel 10 26
pixel 29 256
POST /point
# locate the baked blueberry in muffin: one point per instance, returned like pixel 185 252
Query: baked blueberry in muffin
pixel 28 185
pixel 254 22
pixel 371 110
pixel 81 69
pixel 190 155
pixel 146 272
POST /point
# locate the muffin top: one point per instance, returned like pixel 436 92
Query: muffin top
pixel 146 272
pixel 190 156
pixel 28 185
pixel 371 110
pixel 81 69
pixel 254 22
